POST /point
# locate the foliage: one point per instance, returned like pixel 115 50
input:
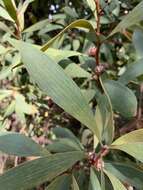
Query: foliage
pixel 71 94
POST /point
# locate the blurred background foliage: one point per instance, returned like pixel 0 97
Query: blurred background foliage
pixel 24 108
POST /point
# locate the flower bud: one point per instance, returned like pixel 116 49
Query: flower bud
pixel 92 51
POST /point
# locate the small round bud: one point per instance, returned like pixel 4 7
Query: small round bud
pixel 92 51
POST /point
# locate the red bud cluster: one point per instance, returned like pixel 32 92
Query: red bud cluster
pixel 92 51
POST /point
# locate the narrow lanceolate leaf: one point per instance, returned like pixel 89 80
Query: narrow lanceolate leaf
pixel 33 173
pixel 4 14
pixel 126 172
pixel 82 24
pixel 137 41
pixel 63 145
pixel 131 143
pixel 58 55
pixel 55 83
pixel 109 124
pixel 20 145
pixel 75 71
pixel 11 9
pixel 62 182
pixel 74 184
pixel 117 185
pixel 91 4
pixel 133 71
pixel 5 28
pixel 133 18
pixel 122 98
pixel 94 182
pixel 38 26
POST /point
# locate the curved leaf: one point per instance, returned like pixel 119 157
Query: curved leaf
pixel 117 185
pixel 82 24
pixel 131 143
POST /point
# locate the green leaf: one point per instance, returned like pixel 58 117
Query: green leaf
pixel 107 115
pixel 33 173
pixel 94 182
pixel 133 71
pixel 55 83
pixel 133 18
pixel 70 12
pixel 61 132
pixel 88 94
pixel 11 9
pixel 63 145
pixel 82 24
pixel 10 109
pixel 122 98
pixel 58 55
pixel 20 13
pixel 38 26
pixel 127 172
pixel 74 184
pixel 91 4
pixel 19 145
pixel 75 71
pixel 137 41
pixel 4 14
pixel 62 182
pixel 131 143
pixel 5 28
pixel 117 185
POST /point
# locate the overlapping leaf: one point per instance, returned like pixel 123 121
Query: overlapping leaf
pixel 19 145
pixel 33 173
pixel 133 18
pixel 131 143
pixel 55 83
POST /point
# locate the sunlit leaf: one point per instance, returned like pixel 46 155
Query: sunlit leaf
pixel 131 143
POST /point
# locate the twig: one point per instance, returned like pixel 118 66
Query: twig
pixel 98 12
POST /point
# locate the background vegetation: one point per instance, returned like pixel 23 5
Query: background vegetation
pixel 101 51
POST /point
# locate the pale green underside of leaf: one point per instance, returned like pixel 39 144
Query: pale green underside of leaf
pixel 133 18
pixel 117 185
pixel 131 143
pixel 35 172
pixel 134 136
pixel 51 78
pixel 20 145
